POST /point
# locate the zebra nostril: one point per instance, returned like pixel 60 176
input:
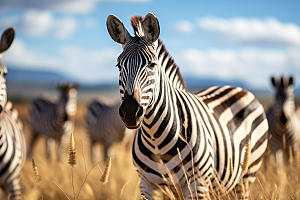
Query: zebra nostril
pixel 0 109
pixel 121 113
pixel 140 112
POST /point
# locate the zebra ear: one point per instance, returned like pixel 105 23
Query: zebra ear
pixel 151 28
pixel 7 39
pixel 273 81
pixel 291 81
pixel 116 29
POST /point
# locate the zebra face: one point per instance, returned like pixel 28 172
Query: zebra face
pixel 137 64
pixel 137 84
pixel 68 100
pixel 284 98
pixel 6 40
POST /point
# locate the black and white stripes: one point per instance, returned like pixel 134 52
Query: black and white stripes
pixel 12 143
pixel 216 123
pixel 54 120
pixel 284 121
pixel 104 125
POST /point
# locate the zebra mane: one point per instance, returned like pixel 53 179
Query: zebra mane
pixel 167 62
pixel 136 22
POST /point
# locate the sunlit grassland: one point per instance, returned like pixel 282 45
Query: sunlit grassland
pixel 56 177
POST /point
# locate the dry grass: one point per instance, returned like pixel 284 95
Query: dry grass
pixel 123 180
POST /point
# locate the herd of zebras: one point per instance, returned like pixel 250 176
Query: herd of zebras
pixel 176 131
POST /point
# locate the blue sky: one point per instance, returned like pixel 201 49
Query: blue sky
pixel 228 40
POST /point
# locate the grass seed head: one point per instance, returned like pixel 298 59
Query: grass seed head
pixel 246 156
pixel 104 177
pixel 36 173
pixel 72 153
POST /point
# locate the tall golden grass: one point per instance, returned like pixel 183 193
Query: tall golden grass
pixel 55 178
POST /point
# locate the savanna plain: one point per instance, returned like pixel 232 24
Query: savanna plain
pixel 58 183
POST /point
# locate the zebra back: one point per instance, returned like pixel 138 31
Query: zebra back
pixel 103 122
pixel 53 119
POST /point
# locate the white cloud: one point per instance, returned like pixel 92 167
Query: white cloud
pixel 64 28
pixel 42 23
pixel 184 27
pixel 252 30
pixel 64 6
pixel 83 64
pixel 20 55
pixel 36 23
pixel 250 65
pixel 91 66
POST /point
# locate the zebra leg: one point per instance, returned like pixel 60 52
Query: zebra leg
pixel 290 152
pixel 242 190
pixel 279 157
pixel 62 145
pixel 147 190
pixel 50 146
pixel 105 151
pixel 93 151
pixel 195 189
pixel 34 136
pixel 14 189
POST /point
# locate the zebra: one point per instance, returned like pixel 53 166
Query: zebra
pixel 12 142
pixel 208 129
pixel 104 125
pixel 55 121
pixel 284 121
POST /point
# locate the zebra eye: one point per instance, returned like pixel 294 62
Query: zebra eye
pixel 152 66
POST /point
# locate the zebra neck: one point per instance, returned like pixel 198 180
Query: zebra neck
pixel 169 67
pixel 290 105
pixel 61 112
pixel 161 118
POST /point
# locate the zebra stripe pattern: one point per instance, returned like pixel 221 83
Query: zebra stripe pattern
pixel 54 120
pixel 104 125
pixel 284 121
pixel 12 142
pixel 215 123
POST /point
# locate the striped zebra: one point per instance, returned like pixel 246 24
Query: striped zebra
pixel 104 125
pixel 284 121
pixel 55 121
pixel 215 123
pixel 12 142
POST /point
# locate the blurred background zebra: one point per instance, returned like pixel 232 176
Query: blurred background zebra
pixel 105 126
pixel 54 120
pixel 284 121
pixel 12 142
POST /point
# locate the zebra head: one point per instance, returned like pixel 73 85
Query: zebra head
pixel 6 40
pixel 67 106
pixel 137 64
pixel 284 98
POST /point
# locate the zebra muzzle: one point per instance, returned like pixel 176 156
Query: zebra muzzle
pixel 131 112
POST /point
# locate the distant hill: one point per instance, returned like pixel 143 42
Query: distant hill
pixel 24 76
pixel 23 83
